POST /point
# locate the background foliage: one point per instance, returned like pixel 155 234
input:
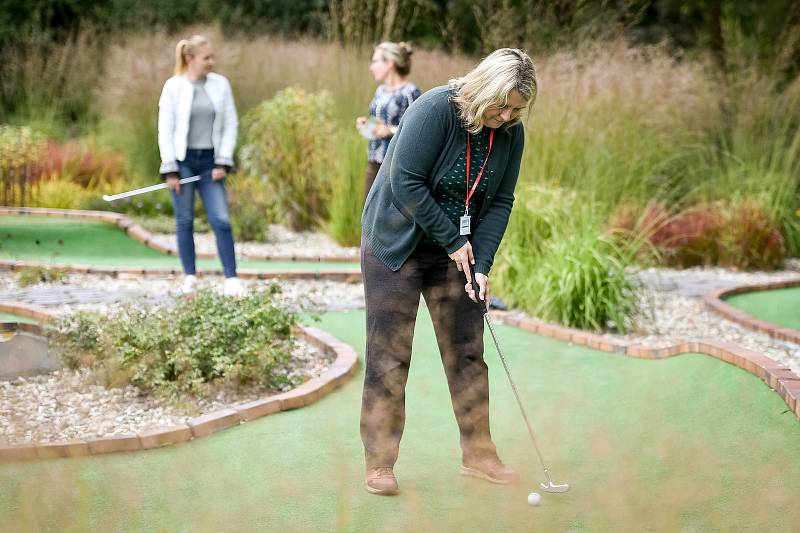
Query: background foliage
pixel 666 132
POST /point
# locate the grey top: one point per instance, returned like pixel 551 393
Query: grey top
pixel 202 119
pixel 401 207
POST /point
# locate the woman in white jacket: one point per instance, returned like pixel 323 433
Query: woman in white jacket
pixel 197 128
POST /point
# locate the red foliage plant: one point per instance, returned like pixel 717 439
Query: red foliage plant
pixel 84 166
pixel 737 234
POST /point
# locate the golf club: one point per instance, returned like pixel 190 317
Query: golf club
pixel 549 486
pixel 112 197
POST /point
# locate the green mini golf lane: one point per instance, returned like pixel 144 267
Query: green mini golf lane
pixel 687 443
pixel 101 244
pixel 779 306
pixel 8 317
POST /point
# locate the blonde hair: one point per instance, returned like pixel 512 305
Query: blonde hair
pixel 399 53
pixel 488 85
pixel 187 47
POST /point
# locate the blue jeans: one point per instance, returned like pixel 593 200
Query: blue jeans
pixel 215 201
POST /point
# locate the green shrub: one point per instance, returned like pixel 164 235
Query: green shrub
pixel 250 208
pixel 581 282
pixel 555 264
pixel 21 150
pixel 59 194
pixel 290 141
pixel 348 192
pixel 539 214
pixel 33 275
pixel 202 342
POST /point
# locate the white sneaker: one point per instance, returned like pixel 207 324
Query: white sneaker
pixel 234 287
pixel 189 283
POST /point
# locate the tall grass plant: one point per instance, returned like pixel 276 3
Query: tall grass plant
pixel 347 200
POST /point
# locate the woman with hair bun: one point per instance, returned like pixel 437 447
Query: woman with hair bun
pixel 390 66
pixel 438 209
pixel 197 128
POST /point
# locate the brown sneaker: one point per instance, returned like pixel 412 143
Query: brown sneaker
pixel 381 481
pixel 490 469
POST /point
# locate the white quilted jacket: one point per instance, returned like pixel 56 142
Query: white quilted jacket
pixel 174 112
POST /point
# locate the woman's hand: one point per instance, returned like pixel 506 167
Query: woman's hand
pixel 483 283
pixel 382 131
pixel 174 183
pixel 218 173
pixel 463 259
pixel 360 121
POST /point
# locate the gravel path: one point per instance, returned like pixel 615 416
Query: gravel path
pixel 672 311
pixel 68 405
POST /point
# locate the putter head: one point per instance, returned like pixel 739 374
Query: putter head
pixel 107 197
pixel 554 487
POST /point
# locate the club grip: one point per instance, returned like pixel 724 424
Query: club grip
pixel 477 289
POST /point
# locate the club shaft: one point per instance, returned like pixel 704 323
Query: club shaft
pixel 516 393
pixel 149 188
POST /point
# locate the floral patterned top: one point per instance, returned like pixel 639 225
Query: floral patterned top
pixel 389 106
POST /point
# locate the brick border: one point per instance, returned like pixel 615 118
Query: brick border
pixel 343 368
pixel 137 232
pixel 715 300
pixel 778 377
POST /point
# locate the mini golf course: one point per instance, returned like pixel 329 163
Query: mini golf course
pixel 685 443
pixel 86 242
pixel 778 306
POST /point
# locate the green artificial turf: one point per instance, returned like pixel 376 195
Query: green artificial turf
pixel 688 443
pixel 7 317
pixel 779 306
pixel 88 242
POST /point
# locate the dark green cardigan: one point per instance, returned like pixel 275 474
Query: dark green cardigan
pixel 400 209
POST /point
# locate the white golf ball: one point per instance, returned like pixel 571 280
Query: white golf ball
pixel 534 498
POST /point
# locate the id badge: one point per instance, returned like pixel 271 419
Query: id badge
pixel 465 225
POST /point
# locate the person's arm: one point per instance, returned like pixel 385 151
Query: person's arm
pixel 418 144
pixel 230 128
pixel 166 132
pixel 490 230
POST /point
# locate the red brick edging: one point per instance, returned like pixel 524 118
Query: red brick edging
pixel 137 232
pixel 779 378
pixel 342 369
pixel 715 300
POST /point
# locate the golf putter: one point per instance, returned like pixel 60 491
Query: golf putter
pixel 151 188
pixel 549 486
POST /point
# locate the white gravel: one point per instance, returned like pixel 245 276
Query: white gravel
pixel 68 405
pixel 672 311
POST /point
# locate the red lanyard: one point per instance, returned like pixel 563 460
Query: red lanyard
pixel 470 192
